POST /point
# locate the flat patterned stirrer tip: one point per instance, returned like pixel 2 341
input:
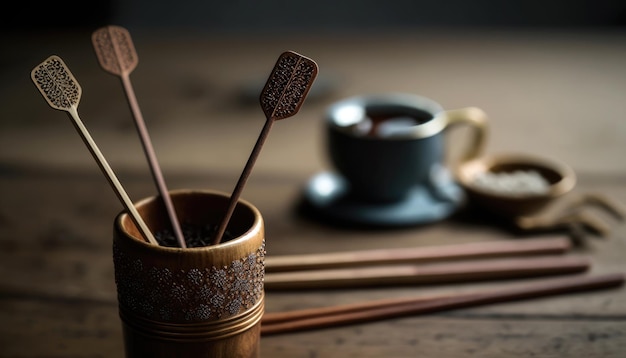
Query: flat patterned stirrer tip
pixel 288 85
pixel 283 95
pixel 115 50
pixel 57 84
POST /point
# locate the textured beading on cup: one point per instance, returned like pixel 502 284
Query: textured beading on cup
pixel 193 295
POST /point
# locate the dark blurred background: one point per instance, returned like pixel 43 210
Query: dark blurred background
pixel 311 16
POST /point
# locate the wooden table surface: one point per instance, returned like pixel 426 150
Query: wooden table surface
pixel 556 94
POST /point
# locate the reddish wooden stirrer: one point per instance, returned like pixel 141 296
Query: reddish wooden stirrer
pixel 283 95
pixel 116 54
pixel 317 318
pixel 61 90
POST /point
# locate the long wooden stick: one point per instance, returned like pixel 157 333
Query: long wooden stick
pixel 271 318
pixel 283 95
pixel 116 54
pixel 463 271
pixel 234 197
pixel 487 249
pixel 61 90
pixel 290 322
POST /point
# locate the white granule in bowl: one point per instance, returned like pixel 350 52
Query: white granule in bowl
pixel 519 182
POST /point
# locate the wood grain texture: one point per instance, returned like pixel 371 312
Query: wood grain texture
pixel 475 250
pixel 57 290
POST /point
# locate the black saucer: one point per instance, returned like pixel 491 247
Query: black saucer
pixel 328 195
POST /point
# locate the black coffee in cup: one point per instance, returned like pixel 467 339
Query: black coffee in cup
pixel 385 145
pixel 386 124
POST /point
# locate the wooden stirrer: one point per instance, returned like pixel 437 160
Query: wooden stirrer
pixel 307 319
pixel 61 90
pixel 414 255
pixel 116 54
pixel 283 95
pixel 425 274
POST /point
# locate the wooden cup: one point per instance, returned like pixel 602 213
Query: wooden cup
pixel 194 302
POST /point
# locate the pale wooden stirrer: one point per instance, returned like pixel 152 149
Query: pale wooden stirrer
pixel 283 95
pixel 116 54
pixel 61 90
pixel 425 254
pixel 425 274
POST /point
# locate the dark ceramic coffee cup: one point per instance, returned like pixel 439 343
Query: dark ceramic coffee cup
pixel 386 144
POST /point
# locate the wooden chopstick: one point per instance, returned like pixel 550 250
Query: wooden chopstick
pixel 508 248
pixel 270 318
pixel 289 322
pixel 463 271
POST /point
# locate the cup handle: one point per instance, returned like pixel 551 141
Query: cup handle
pixel 476 118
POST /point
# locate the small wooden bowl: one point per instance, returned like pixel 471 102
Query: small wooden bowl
pixel 560 177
